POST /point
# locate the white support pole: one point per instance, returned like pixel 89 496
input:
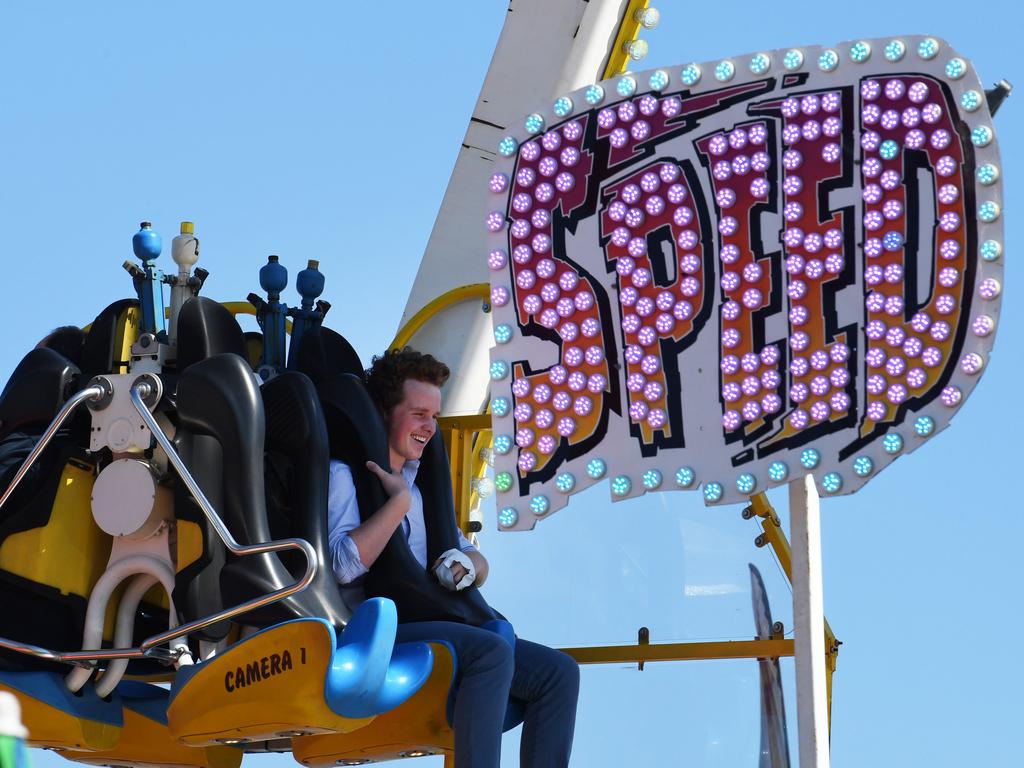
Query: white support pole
pixel 808 623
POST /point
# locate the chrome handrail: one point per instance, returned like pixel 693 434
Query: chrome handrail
pixel 94 392
pixel 139 392
pixel 148 648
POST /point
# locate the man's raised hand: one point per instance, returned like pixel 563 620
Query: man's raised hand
pixel 393 482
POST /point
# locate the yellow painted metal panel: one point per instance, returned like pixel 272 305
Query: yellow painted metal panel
pixel 464 439
pixel 50 727
pixel 70 552
pixel 420 724
pixel 125 336
pixel 266 686
pixel 189 544
pixel 146 742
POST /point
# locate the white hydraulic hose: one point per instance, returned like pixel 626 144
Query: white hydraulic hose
pixel 96 612
pixel 125 628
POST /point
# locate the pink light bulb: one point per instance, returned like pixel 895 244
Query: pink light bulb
pixel 497 259
pixel 499 296
pixel 527 461
pixel 498 182
pixel 524 437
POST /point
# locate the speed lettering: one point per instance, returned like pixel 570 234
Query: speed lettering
pixel 723 278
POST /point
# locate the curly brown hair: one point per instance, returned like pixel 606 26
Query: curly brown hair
pixel 386 376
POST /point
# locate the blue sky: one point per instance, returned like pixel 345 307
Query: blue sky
pixel 325 130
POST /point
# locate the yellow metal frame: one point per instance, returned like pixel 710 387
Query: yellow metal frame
pixel 465 438
pixel 245 308
pixel 641 653
pixel 456 295
pixel 629 30
pixel 776 647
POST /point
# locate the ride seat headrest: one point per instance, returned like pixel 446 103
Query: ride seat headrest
pixel 98 353
pixel 324 354
pixel 355 428
pixel 36 390
pixel 68 340
pixel 206 328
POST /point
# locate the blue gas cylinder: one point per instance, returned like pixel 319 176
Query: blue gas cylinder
pixel 273 278
pixel 146 243
pixel 310 283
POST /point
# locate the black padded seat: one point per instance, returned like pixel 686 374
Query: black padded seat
pixel 218 398
pixel 33 395
pixel 206 328
pixel 36 390
pixel 324 354
pixel 98 353
pixel 296 475
pixel 260 454
pixel 68 340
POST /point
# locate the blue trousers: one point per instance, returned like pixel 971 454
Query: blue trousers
pixel 543 681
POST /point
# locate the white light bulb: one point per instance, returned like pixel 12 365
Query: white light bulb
pixel 487 456
pixel 648 17
pixel 635 49
pixel 483 486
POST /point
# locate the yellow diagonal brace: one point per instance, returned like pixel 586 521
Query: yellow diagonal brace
pixel 773 535
pixel 445 300
pixel 618 59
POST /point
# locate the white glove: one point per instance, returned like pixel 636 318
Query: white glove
pixel 443 570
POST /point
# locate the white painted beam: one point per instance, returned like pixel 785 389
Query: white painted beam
pixel 546 49
pixel 808 623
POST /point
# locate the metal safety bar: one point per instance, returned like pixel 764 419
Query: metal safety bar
pixel 89 393
pixel 148 648
pixel 139 392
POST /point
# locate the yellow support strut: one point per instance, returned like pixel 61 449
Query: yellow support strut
pixel 772 535
pixel 472 291
pixel 618 58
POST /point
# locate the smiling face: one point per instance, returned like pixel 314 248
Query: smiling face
pixel 412 422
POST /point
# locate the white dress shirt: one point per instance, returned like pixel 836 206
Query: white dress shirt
pixel 343 516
